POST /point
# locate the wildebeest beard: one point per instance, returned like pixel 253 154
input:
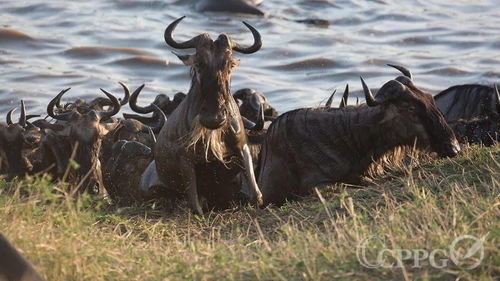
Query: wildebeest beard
pixel 209 141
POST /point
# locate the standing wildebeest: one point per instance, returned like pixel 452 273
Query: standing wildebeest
pixel 311 147
pixel 203 146
pixel 82 134
pixel 472 111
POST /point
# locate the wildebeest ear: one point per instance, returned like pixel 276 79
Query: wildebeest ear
pixel 186 59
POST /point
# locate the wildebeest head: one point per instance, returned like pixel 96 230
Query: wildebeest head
pixel 82 133
pixel 251 102
pixel 18 140
pixel 415 112
pixel 211 66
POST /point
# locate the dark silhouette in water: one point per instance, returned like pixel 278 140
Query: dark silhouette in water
pixel 234 6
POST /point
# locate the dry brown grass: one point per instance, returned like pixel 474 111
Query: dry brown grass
pixel 424 207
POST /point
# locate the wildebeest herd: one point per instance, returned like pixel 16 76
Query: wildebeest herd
pixel 215 148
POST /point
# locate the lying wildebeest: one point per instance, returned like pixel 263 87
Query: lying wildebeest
pixel 472 112
pixel 250 105
pixel 17 141
pixel 82 136
pixel 203 147
pixel 311 147
pixel 13 266
pixel 234 6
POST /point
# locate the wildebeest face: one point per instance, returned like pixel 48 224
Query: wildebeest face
pixel 416 115
pixel 423 108
pixel 212 65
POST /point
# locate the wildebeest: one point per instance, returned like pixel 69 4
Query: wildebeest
pixel 203 147
pixel 472 112
pixel 310 147
pixel 17 141
pixel 250 103
pixel 234 6
pixel 133 130
pixel 82 136
pixel 467 101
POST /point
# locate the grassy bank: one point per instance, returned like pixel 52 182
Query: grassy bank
pixel 425 207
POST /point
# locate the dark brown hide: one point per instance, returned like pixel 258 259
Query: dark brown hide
pixel 466 102
pixel 123 171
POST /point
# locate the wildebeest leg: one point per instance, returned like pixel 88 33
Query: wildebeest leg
pixel 189 175
pixel 250 176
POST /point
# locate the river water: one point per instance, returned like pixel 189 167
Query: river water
pixel 49 45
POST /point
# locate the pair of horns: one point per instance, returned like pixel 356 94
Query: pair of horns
pixel 115 103
pixel 370 100
pixel 193 42
pixel 343 102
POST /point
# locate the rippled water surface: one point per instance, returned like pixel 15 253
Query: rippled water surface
pixel 49 45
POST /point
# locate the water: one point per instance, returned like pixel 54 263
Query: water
pixel 46 46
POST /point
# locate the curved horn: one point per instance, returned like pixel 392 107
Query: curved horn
pixel 343 102
pixel 152 135
pixel 257 42
pixel 133 102
pixel 191 43
pixel 53 102
pixel 328 103
pixel 370 100
pixel 406 72
pixel 127 94
pixel 160 117
pixel 247 123
pixel 260 122
pixel 116 106
pixel 9 116
pixel 498 98
pixel 22 117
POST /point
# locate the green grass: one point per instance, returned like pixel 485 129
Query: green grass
pixel 422 207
